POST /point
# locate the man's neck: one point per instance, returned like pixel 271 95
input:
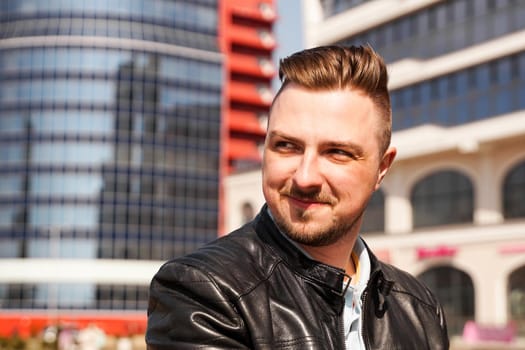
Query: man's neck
pixel 337 254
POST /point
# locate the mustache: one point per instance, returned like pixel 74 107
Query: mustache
pixel 314 195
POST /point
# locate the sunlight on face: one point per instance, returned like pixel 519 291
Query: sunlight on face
pixel 321 163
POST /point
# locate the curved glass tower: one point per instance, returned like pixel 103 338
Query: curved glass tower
pixel 109 138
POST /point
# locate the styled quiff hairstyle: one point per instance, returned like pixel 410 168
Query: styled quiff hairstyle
pixel 340 67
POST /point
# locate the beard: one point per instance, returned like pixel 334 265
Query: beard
pixel 301 226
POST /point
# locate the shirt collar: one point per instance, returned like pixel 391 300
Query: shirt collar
pixel 362 265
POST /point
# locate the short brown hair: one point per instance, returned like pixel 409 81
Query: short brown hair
pixel 342 67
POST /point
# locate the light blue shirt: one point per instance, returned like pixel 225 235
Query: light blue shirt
pixel 352 314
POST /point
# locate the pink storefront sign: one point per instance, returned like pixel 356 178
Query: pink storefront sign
pixel 475 333
pixel 436 252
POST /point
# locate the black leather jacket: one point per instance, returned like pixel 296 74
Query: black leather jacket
pixel 254 289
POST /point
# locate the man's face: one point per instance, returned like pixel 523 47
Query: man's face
pixel 322 162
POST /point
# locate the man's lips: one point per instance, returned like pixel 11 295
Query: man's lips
pixel 305 202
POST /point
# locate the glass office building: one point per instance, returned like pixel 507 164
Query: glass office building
pixel 110 140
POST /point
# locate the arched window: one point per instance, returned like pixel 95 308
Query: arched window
pixel 514 192
pixel 454 289
pixel 445 197
pixel 517 299
pixel 374 217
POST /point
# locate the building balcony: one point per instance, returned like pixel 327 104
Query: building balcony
pixel 258 38
pixel 264 12
pixel 247 122
pixel 243 149
pixel 251 93
pixel 252 65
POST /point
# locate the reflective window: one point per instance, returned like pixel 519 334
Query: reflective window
pixel 11 122
pixel 72 122
pixel 61 59
pixel 187 70
pixel 65 216
pixel 455 291
pixel 57 247
pixel 9 248
pixel 16 296
pixel 483 91
pixel 122 297
pixel 442 198
pixel 131 76
pixel 60 90
pixel 175 22
pixel 62 295
pixel 174 97
pixel 514 192
pixel 445 27
pixel 9 215
pixel 333 7
pixel 161 10
pixel 84 153
pixel 517 299
pixel 66 184
pixel 374 217
pixel 12 153
pixel 48 296
pixel 11 185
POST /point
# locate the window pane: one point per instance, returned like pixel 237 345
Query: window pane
pixel 455 291
pixel 66 184
pixel 442 198
pixel 514 192
pixel 517 299
pixel 374 217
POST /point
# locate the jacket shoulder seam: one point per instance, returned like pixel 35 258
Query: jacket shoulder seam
pixel 429 305
pixel 260 281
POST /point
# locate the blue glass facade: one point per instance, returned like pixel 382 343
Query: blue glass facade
pixel 480 92
pixel 110 137
pixel 445 27
pixel 483 91
pixel 186 23
pixel 333 7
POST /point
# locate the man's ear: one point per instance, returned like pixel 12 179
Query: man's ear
pixel 385 164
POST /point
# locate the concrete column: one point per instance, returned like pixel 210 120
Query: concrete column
pixel 398 211
pixel 487 206
pixel 489 287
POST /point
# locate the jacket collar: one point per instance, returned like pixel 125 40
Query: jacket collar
pixel 321 275
pixel 329 277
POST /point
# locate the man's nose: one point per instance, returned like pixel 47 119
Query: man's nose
pixel 308 173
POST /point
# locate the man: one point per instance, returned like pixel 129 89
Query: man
pixel 299 276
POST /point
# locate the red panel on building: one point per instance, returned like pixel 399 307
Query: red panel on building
pixel 247 41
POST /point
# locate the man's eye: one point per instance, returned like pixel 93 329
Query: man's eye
pixel 284 145
pixel 341 154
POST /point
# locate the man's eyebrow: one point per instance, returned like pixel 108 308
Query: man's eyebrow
pixel 275 133
pixel 348 145
pixel 355 148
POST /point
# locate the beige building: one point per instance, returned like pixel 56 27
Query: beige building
pixel 452 208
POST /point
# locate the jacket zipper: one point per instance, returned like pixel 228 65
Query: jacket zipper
pixel 364 300
pixel 341 318
pixel 342 328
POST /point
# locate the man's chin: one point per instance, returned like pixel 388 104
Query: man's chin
pixel 307 234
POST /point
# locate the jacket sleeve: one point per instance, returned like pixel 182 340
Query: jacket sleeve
pixel 188 310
